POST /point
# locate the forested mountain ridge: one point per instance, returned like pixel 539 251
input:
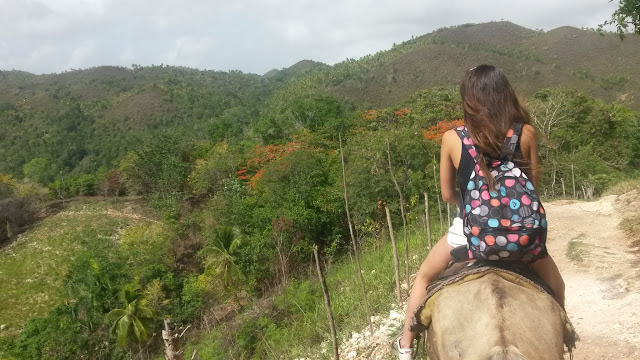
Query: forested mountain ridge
pixel 599 65
pixel 86 119
pixel 93 117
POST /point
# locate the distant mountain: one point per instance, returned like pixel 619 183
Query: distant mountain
pixel 302 67
pixel 82 120
pixel 600 65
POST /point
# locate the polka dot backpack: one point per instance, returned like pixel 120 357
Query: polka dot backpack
pixel 507 222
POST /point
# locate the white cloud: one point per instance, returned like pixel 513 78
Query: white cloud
pixel 47 17
pixel 127 56
pixel 79 55
pixel 75 8
pixel 295 32
pixel 253 35
pixel 187 51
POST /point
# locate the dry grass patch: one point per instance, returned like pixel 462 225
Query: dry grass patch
pixel 577 250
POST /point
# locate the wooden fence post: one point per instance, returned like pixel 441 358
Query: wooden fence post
pixel 327 303
pixel 353 238
pixel 395 254
pixel 404 219
pixel 573 179
pixel 435 177
pixel 426 213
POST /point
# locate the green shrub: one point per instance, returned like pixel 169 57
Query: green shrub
pixel 147 250
pixel 60 335
pixel 78 185
pixel 300 297
pixel 195 289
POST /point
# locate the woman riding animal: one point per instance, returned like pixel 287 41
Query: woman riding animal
pixel 474 157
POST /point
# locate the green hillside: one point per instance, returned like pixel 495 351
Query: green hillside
pixel 33 269
pixel 82 120
pixel 86 119
pixel 599 65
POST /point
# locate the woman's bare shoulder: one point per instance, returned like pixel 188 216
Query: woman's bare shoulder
pixel 528 131
pixel 451 145
pixel 450 136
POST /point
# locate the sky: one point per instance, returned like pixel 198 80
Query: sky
pixel 255 36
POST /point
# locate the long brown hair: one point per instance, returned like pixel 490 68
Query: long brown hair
pixel 490 108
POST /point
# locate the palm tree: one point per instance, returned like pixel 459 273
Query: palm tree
pixel 221 248
pixel 129 317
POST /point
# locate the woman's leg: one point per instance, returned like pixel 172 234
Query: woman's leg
pixel 546 268
pixel 431 267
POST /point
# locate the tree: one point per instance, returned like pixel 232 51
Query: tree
pixel 626 18
pixel 159 167
pixel 39 170
pixel 130 317
pixel 221 249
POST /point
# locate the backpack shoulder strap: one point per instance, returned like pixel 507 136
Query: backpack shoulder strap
pixel 511 141
pixel 468 143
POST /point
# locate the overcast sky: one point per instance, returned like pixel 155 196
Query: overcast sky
pixel 44 36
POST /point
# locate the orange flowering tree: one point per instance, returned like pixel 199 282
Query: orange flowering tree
pixel 436 132
pixel 402 112
pixel 297 190
pixel 374 119
pixel 253 169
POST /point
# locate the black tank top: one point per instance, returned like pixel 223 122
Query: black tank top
pixel 466 166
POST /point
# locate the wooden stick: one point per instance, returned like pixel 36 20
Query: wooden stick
pixel 573 179
pixel 435 177
pixel 327 304
pixel 426 213
pixel 395 254
pixel 553 182
pixel 404 219
pixel 353 239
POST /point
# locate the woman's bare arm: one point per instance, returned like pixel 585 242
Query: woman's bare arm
pixel 450 142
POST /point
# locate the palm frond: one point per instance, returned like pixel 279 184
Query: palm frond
pixel 225 235
pixel 144 312
pixel 139 330
pixel 123 330
pixel 114 315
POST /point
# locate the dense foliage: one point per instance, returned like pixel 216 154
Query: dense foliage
pixel 626 18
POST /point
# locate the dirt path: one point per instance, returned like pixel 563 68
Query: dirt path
pixel 602 276
pixel 601 273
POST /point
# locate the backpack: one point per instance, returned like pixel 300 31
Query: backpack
pixel 508 222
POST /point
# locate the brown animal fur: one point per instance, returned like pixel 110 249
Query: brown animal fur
pixel 505 353
pixel 493 319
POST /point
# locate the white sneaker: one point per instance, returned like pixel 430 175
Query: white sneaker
pixel 404 354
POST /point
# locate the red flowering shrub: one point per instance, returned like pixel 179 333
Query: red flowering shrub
pixel 436 132
pixel 402 112
pixel 259 156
